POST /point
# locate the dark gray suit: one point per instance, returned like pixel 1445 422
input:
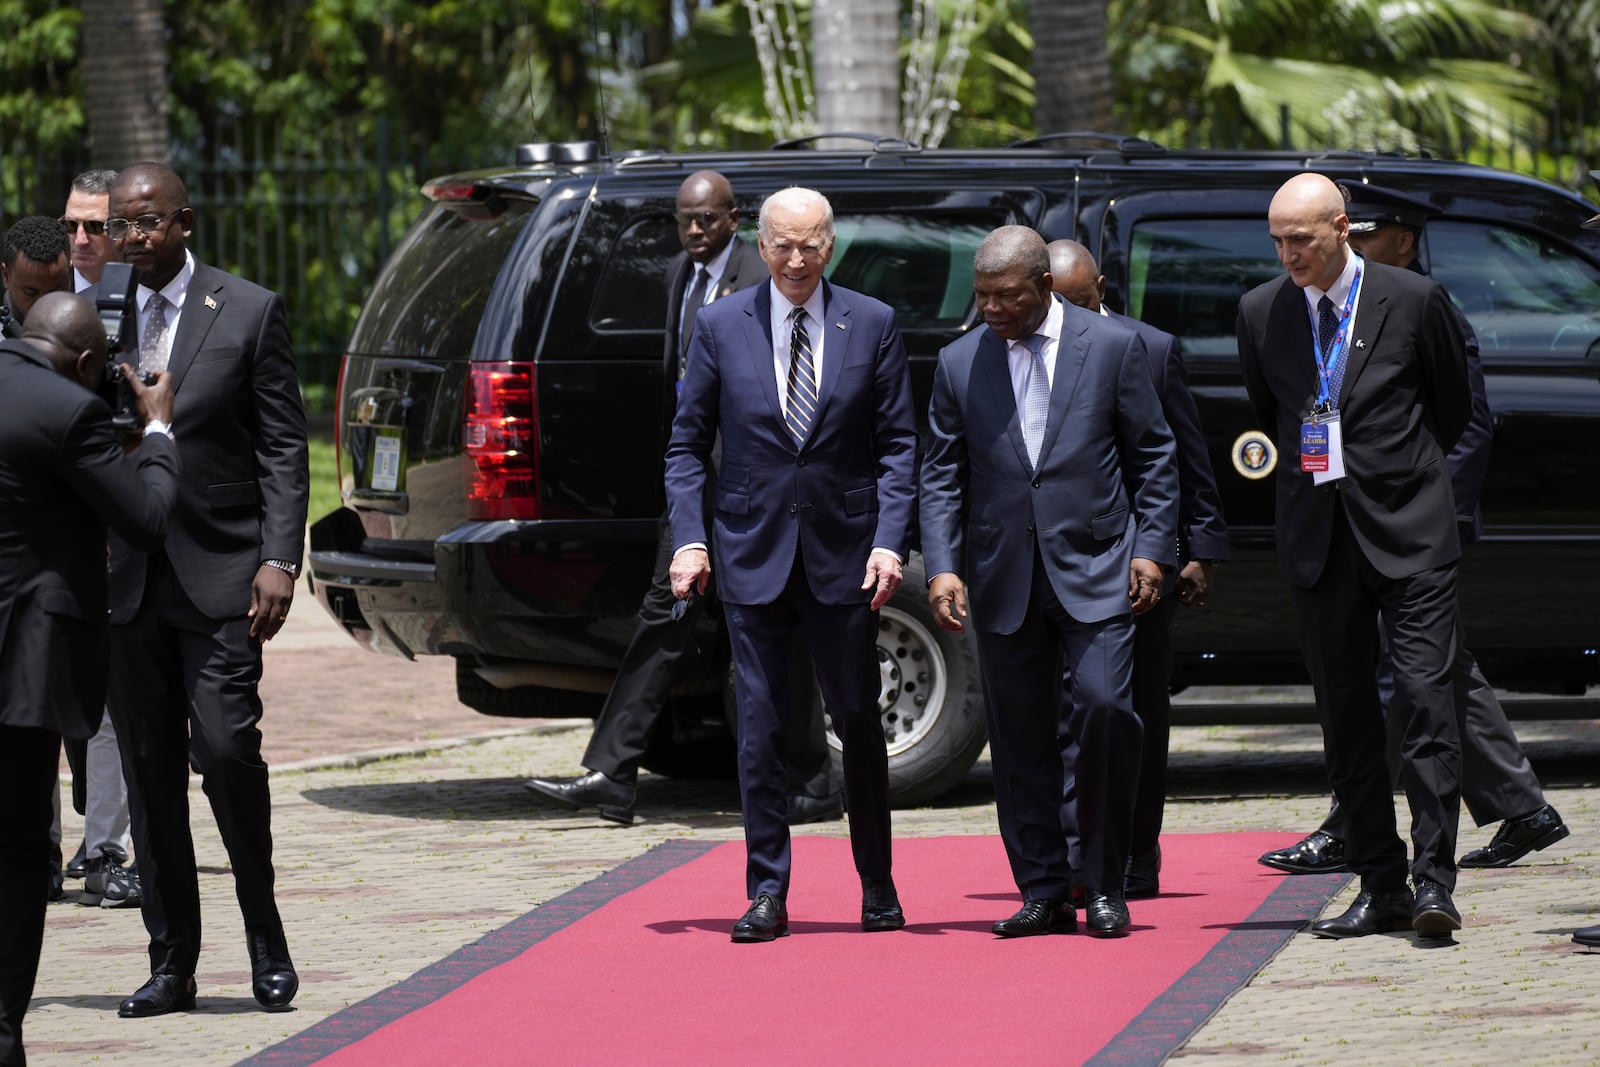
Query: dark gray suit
pixel 63 480
pixel 184 667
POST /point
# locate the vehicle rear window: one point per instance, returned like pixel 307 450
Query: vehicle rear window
pixel 1186 276
pixel 919 265
pixel 430 296
pixel 1525 296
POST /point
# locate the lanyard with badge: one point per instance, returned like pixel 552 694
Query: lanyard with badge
pixel 1321 444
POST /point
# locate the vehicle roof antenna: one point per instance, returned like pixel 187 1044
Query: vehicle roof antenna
pixel 599 81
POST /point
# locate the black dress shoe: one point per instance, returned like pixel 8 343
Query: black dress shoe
pixel 79 863
pixel 1434 914
pixel 272 977
pixel 1045 916
pixel 163 993
pixel 765 919
pixel 1144 875
pixel 804 809
pixel 880 906
pixel 1518 837
pixel 1372 913
pixel 1317 853
pixel 613 798
pixel 1107 914
pixel 1589 935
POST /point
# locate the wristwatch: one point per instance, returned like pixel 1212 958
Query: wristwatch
pixel 291 569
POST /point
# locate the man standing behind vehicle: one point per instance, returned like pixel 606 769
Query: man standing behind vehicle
pixel 713 264
pixel 189 619
pixel 63 480
pixel 809 387
pixel 1498 783
pixel 85 223
pixel 1202 544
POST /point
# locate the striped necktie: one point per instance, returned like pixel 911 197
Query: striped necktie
pixel 802 380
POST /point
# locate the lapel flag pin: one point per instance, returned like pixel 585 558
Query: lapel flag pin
pixel 211 304
pixel 1360 343
pixel 838 325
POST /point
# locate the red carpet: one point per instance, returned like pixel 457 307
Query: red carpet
pixel 636 967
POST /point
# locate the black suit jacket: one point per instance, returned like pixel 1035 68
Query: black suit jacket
pixel 1404 401
pixel 63 479
pixel 745 268
pixel 241 431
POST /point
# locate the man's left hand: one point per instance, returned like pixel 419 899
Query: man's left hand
pixel 1144 584
pixel 883 571
pixel 1194 582
pixel 270 596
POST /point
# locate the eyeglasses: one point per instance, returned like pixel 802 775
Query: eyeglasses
pixel 706 219
pixel 146 224
pixel 92 227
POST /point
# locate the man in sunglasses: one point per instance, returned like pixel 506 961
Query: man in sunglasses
pixel 32 263
pixel 85 223
pixel 713 264
pixel 188 619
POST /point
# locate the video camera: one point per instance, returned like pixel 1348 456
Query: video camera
pixel 117 302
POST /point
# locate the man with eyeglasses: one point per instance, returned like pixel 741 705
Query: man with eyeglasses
pixel 713 264
pixel 34 262
pixel 188 620
pixel 85 222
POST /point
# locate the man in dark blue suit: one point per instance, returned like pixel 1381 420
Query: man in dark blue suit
pixel 1049 482
pixel 1202 544
pixel 812 507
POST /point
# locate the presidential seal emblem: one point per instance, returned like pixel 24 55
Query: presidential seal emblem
pixel 1253 455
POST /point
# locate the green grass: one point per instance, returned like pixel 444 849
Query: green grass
pixel 324 478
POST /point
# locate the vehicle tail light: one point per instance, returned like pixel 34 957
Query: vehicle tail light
pixel 500 442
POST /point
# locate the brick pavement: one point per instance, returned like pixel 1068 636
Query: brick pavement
pixel 386 865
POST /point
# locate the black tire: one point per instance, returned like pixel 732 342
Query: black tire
pixel 523 702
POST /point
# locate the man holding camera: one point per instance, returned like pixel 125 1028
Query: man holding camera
pixel 63 480
pixel 189 617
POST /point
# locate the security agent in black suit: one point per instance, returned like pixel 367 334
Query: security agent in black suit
pixel 189 618
pixel 713 263
pixel 1498 783
pixel 1202 544
pixel 1360 369
pixel 63 479
pixel 36 260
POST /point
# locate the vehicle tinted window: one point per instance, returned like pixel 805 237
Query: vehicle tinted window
pixel 1186 276
pixel 919 265
pixel 430 296
pixel 1524 295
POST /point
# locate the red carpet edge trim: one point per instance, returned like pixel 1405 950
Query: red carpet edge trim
pixel 1174 1016
pixel 468 962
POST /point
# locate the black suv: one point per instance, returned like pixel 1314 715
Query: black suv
pixel 500 423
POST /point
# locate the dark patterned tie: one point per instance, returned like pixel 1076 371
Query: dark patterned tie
pixel 1035 398
pixel 697 297
pixel 153 346
pixel 802 380
pixel 1327 331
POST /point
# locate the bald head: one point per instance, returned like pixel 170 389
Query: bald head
pixel 1310 230
pixel 707 216
pixel 1075 275
pixel 66 329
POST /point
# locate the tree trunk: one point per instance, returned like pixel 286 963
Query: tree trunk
pixel 1071 70
pixel 125 82
pixel 855 65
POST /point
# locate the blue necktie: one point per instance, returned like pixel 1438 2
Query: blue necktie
pixel 1035 399
pixel 1327 332
pixel 802 380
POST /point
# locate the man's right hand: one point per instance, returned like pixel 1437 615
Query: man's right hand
pixel 947 596
pixel 691 569
pixel 153 402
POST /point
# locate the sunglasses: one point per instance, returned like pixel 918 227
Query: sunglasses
pixel 92 227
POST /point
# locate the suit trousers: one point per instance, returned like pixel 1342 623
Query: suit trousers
pixel 843 640
pixel 29 766
pixel 1338 620
pixel 1030 710
pixel 1152 702
pixel 183 691
pixel 661 648
pixel 1497 781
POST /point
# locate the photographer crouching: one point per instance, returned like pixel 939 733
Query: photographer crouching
pixel 64 480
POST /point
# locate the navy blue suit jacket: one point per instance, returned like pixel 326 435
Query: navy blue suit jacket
pixel 849 488
pixel 1106 489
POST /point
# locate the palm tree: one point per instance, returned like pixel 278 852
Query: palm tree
pixel 125 81
pixel 1071 68
pixel 855 65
